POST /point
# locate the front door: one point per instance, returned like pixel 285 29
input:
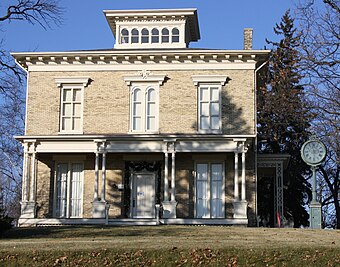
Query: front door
pixel 143 195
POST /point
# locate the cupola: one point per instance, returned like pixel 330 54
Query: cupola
pixel 153 28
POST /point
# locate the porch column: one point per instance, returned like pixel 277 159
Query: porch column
pixel 243 177
pixel 99 203
pixel 25 175
pixel 166 176
pixel 33 177
pixel 240 204
pixel 28 205
pixel 103 177
pixel 96 177
pixel 169 207
pixel 173 179
pixel 236 193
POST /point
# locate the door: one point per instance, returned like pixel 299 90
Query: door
pixel 69 190
pixel 143 196
pixel 209 190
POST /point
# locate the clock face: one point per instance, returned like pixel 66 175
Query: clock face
pixel 313 152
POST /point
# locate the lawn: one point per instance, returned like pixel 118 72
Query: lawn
pixel 169 246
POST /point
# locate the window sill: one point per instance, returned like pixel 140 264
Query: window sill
pixel 209 132
pixel 139 132
pixel 71 132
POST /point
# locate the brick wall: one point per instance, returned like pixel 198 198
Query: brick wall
pixel 106 102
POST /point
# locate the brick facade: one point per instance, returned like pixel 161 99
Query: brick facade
pixel 106 103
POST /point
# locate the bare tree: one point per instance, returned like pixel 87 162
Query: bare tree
pixel 12 96
pixel 320 53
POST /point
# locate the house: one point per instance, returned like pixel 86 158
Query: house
pixel 147 132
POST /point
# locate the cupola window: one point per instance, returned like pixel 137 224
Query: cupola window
pixel 175 35
pixel 145 36
pixel 155 36
pixel 134 36
pixel 124 36
pixel 165 35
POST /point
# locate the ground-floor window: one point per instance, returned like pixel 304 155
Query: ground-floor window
pixel 68 200
pixel 209 190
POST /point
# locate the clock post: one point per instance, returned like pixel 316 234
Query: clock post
pixel 313 152
pixel 315 206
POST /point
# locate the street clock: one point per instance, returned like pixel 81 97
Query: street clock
pixel 313 152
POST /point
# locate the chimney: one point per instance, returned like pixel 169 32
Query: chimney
pixel 248 39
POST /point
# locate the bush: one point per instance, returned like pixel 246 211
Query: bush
pixel 5 223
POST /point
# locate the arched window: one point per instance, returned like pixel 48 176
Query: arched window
pixel 151 110
pixel 124 36
pixel 145 36
pixel 175 35
pixel 134 36
pixel 137 109
pixel 165 35
pixel 154 36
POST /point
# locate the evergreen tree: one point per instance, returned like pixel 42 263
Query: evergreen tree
pixel 283 119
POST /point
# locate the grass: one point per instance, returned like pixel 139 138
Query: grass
pixel 169 246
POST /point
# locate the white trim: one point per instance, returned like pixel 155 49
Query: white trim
pixel 84 81
pixel 137 65
pixel 144 76
pixel 128 221
pixel 136 144
pixel 210 79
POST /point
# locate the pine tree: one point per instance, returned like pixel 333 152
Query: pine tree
pixel 283 120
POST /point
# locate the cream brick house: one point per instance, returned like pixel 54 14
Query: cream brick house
pixel 148 132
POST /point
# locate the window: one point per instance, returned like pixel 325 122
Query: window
pixel 209 190
pixel 155 36
pixel 68 196
pixel 71 104
pixel 145 36
pixel 124 36
pixel 134 36
pixel 144 109
pixel 71 109
pixel 209 108
pixel 175 35
pixel 165 35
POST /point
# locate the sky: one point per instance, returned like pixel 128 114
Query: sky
pixel 84 26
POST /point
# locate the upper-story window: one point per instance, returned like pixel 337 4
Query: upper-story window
pixel 71 104
pixel 134 36
pixel 71 108
pixel 155 35
pixel 175 35
pixel 144 101
pixel 209 108
pixel 209 102
pixel 124 36
pixel 144 109
pixel 165 35
pixel 145 36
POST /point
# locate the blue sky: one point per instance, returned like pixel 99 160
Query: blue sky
pixel 85 27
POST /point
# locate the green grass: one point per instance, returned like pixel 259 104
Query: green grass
pixel 169 246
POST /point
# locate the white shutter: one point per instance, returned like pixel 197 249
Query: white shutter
pixel 76 190
pixel 61 190
pixel 202 194
pixel 216 191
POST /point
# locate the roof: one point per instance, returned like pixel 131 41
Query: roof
pixel 190 14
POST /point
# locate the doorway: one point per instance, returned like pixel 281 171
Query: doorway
pixel 143 195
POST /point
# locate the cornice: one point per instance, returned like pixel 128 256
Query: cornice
pixel 128 57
